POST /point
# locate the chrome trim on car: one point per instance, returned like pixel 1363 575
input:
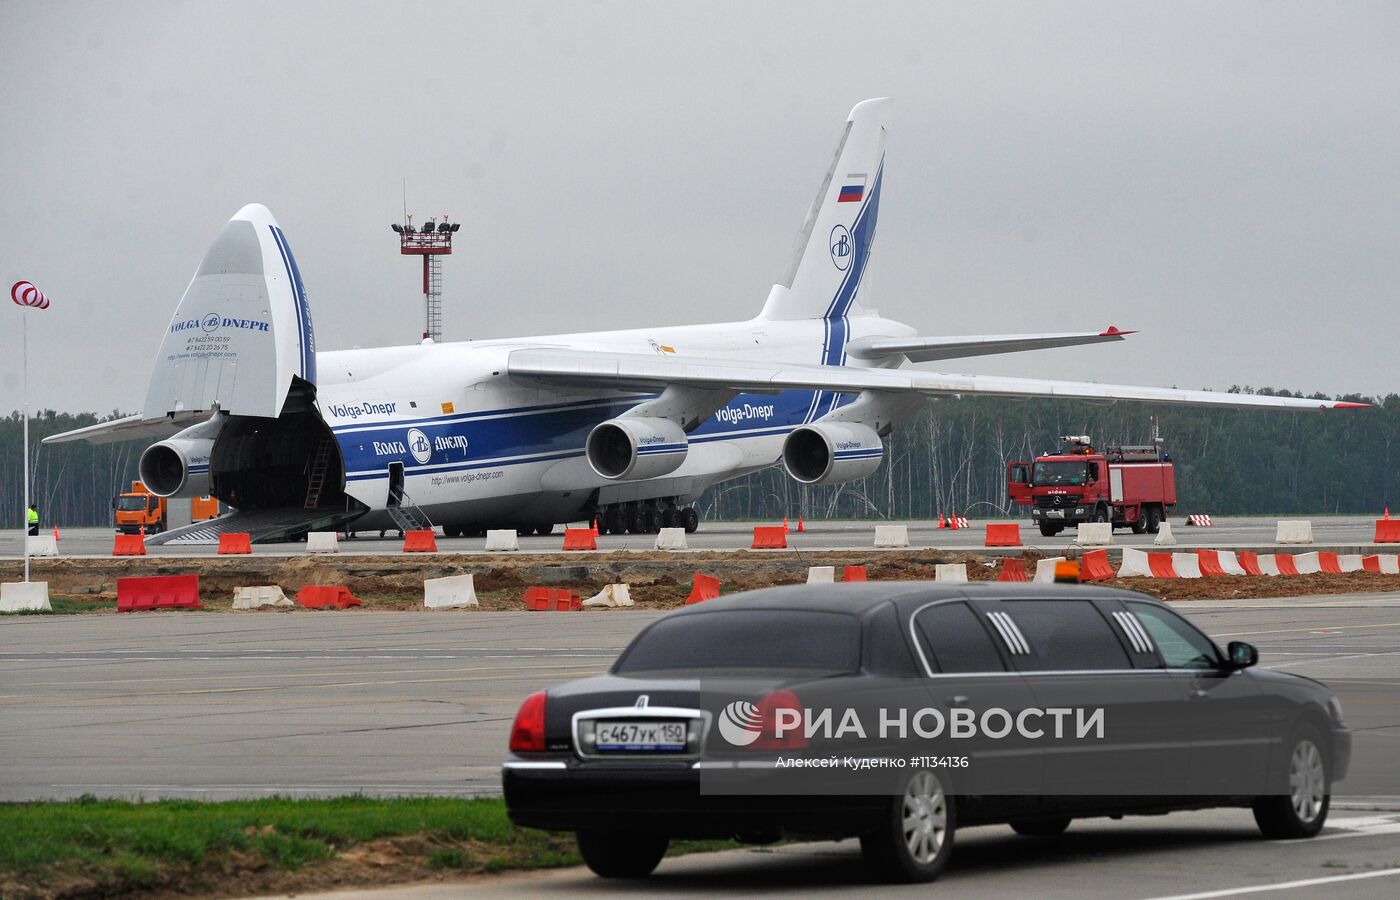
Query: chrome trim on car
pixel 532 764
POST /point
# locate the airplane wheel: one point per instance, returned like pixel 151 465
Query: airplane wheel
pixel 651 518
pixel 544 530
pixel 615 520
pixel 670 517
pixel 690 520
pixel 451 531
pixel 525 531
pixel 637 520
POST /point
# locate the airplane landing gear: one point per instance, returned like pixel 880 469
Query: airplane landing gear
pixel 646 517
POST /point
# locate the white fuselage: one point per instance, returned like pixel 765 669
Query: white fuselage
pixel 474 446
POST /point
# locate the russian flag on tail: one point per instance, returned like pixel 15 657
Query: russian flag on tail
pixel 852 188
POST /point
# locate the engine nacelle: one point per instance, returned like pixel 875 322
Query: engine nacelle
pixel 832 452
pixel 179 466
pixel 627 449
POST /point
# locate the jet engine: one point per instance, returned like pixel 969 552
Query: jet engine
pixel 832 452
pixel 179 466
pixel 627 449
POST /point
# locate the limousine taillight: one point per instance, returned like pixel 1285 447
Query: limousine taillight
pixel 527 733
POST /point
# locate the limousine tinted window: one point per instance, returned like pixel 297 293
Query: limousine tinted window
pixel 1064 635
pixel 957 640
pixel 748 639
pixel 1181 646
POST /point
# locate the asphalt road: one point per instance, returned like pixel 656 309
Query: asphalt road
pixel 1328 532
pixel 223 705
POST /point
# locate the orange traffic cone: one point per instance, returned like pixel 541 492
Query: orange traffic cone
pixel 56 538
pixel 940 521
pixel 785 525
pixel 953 521
pixel 143 531
pixel 800 526
pixel 595 527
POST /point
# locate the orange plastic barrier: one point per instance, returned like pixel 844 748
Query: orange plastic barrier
pixel 853 573
pixel 1012 569
pixel 1161 565
pixel 129 545
pixel 1093 566
pixel 769 537
pixel 1006 534
pixel 1250 563
pixel 706 588
pixel 543 599
pixel 580 539
pixel 1329 563
pixel 1387 531
pixel 424 541
pixel 1371 564
pixel 1209 561
pixel 233 542
pixel 158 592
pixel 1285 564
pixel 321 596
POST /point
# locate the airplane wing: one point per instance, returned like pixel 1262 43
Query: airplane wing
pixel 929 349
pixel 600 369
pixel 130 428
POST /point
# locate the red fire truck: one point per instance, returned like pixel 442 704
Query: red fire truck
pixel 1128 486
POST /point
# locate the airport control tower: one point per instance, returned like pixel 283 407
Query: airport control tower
pixel 432 241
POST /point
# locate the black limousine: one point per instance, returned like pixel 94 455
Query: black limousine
pixel 898 712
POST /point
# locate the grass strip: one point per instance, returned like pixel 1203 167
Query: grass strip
pixel 98 848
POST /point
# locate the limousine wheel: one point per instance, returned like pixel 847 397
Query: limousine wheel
pixel 621 854
pixel 1041 827
pixel 1301 812
pixel 917 838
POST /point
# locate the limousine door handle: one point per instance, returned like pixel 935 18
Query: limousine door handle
pixel 956 700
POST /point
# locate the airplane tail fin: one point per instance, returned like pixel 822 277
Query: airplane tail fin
pixel 834 246
pixel 242 332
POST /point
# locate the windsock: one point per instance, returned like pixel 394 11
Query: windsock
pixel 26 294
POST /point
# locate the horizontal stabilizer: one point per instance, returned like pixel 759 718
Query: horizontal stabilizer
pixel 583 368
pixel 130 428
pixel 930 349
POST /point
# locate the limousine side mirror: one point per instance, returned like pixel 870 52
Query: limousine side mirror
pixel 1242 655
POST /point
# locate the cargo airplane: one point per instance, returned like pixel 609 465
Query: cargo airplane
pixel 627 426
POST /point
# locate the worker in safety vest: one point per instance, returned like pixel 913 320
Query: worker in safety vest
pixel 33 518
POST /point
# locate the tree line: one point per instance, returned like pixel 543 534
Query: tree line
pixel 949 458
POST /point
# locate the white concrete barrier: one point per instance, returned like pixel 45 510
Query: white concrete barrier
pixel 671 539
pixel 1134 564
pixel 891 536
pixel 1307 563
pixel 952 572
pixel 821 574
pixel 1294 531
pixel 1045 569
pixel 1349 562
pixel 322 542
pixel 19 596
pixel 1164 536
pixel 1230 562
pixel 260 595
pixel 1186 565
pixel 1268 563
pixel 501 539
pixel 612 596
pixel 1390 564
pixel 41 545
pixel 1094 534
pixel 454 592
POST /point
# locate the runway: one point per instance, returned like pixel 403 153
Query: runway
pixel 1342 533
pixel 223 705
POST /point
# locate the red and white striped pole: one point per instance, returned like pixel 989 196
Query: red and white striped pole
pixel 26 295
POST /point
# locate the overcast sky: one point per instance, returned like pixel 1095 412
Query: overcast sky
pixel 1221 177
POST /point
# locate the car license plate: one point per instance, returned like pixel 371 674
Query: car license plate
pixel 1056 514
pixel 640 736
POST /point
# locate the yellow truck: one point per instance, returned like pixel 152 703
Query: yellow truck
pixel 139 509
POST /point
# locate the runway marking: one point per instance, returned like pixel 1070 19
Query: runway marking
pixel 1282 886
pixel 1311 628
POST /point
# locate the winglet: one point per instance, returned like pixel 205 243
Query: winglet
pixel 1347 404
pixel 1114 331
